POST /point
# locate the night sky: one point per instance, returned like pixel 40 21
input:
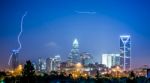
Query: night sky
pixel 51 26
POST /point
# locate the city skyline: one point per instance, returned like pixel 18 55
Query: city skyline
pixel 51 26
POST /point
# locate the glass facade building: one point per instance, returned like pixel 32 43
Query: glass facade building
pixel 74 56
pixel 53 64
pixel 125 52
pixel 86 58
pixel 15 60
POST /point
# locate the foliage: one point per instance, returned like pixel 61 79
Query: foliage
pixel 131 75
pixel 28 70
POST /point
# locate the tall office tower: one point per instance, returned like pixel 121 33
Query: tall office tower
pixel 56 62
pixel 34 65
pixel 41 64
pixel 48 64
pixel 57 58
pixel 86 58
pixel 15 60
pixel 74 56
pixel 115 59
pixel 125 52
pixel 110 60
pixel 53 64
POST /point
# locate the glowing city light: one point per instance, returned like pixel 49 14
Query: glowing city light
pixel 78 65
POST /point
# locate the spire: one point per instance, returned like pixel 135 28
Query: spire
pixel 75 43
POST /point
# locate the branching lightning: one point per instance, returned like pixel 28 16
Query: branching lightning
pixel 20 33
pixel 10 59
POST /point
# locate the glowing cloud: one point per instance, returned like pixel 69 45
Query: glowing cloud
pixel 85 12
pixel 51 44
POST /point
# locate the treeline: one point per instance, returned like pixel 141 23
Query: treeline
pixel 70 79
pixel 29 76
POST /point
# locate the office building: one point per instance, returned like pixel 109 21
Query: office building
pixel 15 60
pixel 41 64
pixel 53 64
pixel 48 65
pixel 74 56
pixel 57 61
pixel 125 52
pixel 110 59
pixel 86 58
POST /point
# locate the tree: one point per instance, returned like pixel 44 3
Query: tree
pixel 97 74
pixel 132 75
pixel 28 70
pixel 2 75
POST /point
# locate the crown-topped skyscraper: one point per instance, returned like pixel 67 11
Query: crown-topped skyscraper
pixel 74 56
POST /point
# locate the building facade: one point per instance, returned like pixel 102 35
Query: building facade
pixel 57 61
pixel 53 64
pixel 125 52
pixel 110 60
pixel 74 56
pixel 15 60
pixel 41 64
pixel 48 65
pixel 86 58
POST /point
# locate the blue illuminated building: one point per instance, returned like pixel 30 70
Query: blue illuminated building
pixel 125 52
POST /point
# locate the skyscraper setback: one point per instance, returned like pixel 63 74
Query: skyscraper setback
pixel 125 52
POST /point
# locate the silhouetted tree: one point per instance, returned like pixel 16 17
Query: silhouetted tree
pixel 132 75
pixel 97 74
pixel 28 73
pixel 28 70
pixel 2 74
pixel 55 73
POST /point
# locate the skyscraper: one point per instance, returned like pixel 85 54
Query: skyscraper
pixel 125 52
pixel 57 61
pixel 86 58
pixel 110 60
pixel 15 60
pixel 48 65
pixel 74 56
pixel 41 64
pixel 53 64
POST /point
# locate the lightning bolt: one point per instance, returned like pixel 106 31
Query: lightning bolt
pixel 20 46
pixel 10 59
pixel 20 33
